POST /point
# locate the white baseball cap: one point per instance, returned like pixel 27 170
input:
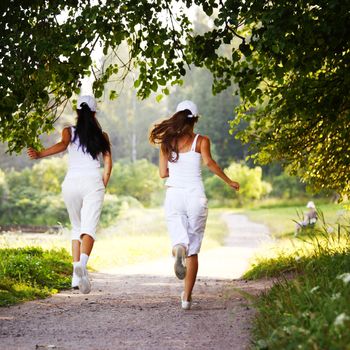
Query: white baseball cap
pixel 310 205
pixel 89 100
pixel 188 105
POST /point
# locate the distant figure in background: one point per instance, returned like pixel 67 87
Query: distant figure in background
pixel 84 186
pixel 310 217
pixel 186 209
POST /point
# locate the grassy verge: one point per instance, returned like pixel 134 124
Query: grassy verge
pixel 308 309
pixel 31 273
pixel 281 220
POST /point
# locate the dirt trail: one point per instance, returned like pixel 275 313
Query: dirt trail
pixel 137 307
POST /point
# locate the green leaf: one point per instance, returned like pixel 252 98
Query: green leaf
pixel 113 95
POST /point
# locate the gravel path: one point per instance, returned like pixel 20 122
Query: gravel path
pixel 137 307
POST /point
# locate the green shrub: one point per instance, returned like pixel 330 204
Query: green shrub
pixel 112 206
pixel 29 273
pixel 33 196
pixel 286 186
pixel 2 186
pixel 34 208
pixel 139 180
pixel 48 174
pixel 252 187
pixel 54 210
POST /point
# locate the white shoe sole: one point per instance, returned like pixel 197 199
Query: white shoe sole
pixel 180 260
pixel 84 282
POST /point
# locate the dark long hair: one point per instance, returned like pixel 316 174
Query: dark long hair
pixel 168 132
pixel 91 138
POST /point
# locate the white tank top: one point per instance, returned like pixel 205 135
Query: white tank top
pixel 80 162
pixel 186 171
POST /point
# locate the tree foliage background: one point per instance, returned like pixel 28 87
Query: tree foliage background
pixel 289 61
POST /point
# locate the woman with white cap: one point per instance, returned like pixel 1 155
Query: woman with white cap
pixel 84 186
pixel 186 209
pixel 310 218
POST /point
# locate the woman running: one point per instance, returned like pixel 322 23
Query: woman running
pixel 83 187
pixel 186 209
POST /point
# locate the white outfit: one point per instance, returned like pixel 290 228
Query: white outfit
pixel 83 190
pixel 186 205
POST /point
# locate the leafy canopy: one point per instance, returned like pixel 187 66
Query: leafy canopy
pixel 46 50
pixel 289 59
pixel 294 85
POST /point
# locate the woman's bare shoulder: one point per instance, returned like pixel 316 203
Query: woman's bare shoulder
pixel 204 138
pixel 67 130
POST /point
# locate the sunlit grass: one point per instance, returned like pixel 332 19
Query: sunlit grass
pixel 30 273
pixel 281 220
pixel 307 308
pixel 289 255
pixel 311 310
pixel 138 235
pixel 141 235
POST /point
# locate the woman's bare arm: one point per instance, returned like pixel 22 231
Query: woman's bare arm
pixel 107 164
pixel 163 165
pixel 212 165
pixel 56 148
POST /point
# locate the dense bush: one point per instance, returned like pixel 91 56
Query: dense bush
pixel 112 206
pixel 139 180
pixel 24 204
pixel 33 196
pixel 286 186
pixel 48 174
pixel 29 273
pixel 252 187
pixel 2 186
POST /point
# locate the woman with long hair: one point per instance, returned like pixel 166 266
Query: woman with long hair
pixel 84 186
pixel 181 154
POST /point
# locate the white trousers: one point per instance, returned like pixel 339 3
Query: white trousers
pixel 186 211
pixel 83 197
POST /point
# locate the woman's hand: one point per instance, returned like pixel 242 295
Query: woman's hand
pixel 105 179
pixel 234 185
pixel 33 154
pixel 212 165
pixel 57 148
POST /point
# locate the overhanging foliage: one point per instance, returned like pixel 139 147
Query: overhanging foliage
pixel 289 59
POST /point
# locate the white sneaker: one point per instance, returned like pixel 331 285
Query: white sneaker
pixel 84 282
pixel 75 281
pixel 186 305
pixel 180 261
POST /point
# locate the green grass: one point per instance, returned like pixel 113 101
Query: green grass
pixel 308 306
pixel 282 220
pixel 30 273
pixel 311 311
